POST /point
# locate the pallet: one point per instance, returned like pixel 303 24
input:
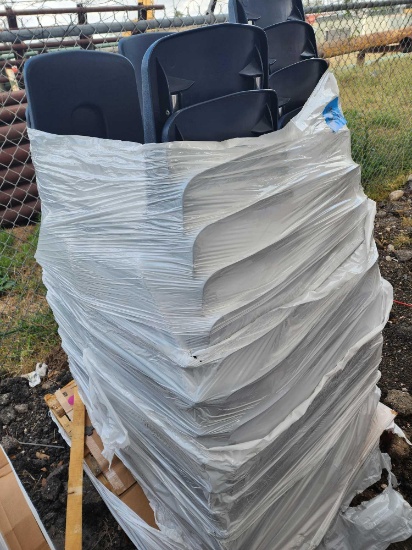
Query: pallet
pixel 117 478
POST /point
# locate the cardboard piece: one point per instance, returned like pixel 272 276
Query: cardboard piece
pixel 20 526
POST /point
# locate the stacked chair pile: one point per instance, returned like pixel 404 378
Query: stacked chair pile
pixel 220 301
pixel 207 84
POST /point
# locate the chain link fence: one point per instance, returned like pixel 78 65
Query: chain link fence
pixel 369 46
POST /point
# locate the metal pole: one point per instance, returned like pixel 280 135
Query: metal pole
pixel 356 6
pixel 108 28
pixel 82 20
pixel 84 9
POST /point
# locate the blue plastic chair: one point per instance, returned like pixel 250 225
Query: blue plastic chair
pixel 191 67
pixel 290 42
pixel 294 84
pixel 287 117
pixel 265 13
pixel 244 114
pixel 85 93
pixel 134 48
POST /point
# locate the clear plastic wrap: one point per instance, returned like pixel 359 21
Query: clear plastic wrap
pixel 221 307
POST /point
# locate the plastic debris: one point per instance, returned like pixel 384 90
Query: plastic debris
pixel 35 377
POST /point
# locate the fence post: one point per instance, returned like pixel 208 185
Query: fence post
pixel 82 20
pixel 13 26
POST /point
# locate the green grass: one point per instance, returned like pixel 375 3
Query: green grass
pixel 28 331
pixel 6 253
pixel 15 256
pixel 377 103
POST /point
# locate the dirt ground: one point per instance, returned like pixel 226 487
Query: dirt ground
pixel 40 456
pixel 393 227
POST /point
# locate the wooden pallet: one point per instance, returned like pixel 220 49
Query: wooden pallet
pixel 117 478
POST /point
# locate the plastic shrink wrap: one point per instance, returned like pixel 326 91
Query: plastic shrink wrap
pixel 222 310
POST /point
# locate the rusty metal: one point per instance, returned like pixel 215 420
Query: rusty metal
pixel 50 44
pixel 335 48
pixel 12 176
pixel 23 213
pixel 59 31
pixel 16 154
pixel 82 20
pixel 6 80
pixel 347 6
pixel 17 195
pixel 12 112
pixel 9 12
pixel 11 98
pixel 12 133
pixel 12 62
pixel 11 19
pixel 13 25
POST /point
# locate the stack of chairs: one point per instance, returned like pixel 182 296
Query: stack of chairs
pixel 218 94
pixel 207 84
pixel 221 305
pixel 294 66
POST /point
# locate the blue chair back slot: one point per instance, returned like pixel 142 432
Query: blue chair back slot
pixel 84 93
pixel 198 65
pixel 290 42
pixel 265 13
pixel 294 84
pixel 243 114
pixel 134 48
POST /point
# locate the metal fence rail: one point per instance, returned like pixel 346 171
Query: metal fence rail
pixel 368 44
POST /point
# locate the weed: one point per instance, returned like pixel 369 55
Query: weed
pixel 401 240
pixel 407 222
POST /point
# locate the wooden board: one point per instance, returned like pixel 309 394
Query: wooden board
pixel 75 484
pixel 115 477
pixel 342 46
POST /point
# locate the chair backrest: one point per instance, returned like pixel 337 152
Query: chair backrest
pixel 244 114
pixel 134 48
pixel 288 43
pixel 264 13
pixel 85 93
pixel 286 118
pixel 197 65
pixel 294 84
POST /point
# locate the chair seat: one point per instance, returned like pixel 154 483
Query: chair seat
pixel 244 114
pixel 285 119
pixel 294 84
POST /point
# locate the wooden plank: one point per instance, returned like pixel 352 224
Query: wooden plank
pixel 75 485
pixel 334 48
pixel 59 413
pixel 115 476
pixel 14 85
pixel 63 396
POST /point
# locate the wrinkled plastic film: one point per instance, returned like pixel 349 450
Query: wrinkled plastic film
pixel 222 308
